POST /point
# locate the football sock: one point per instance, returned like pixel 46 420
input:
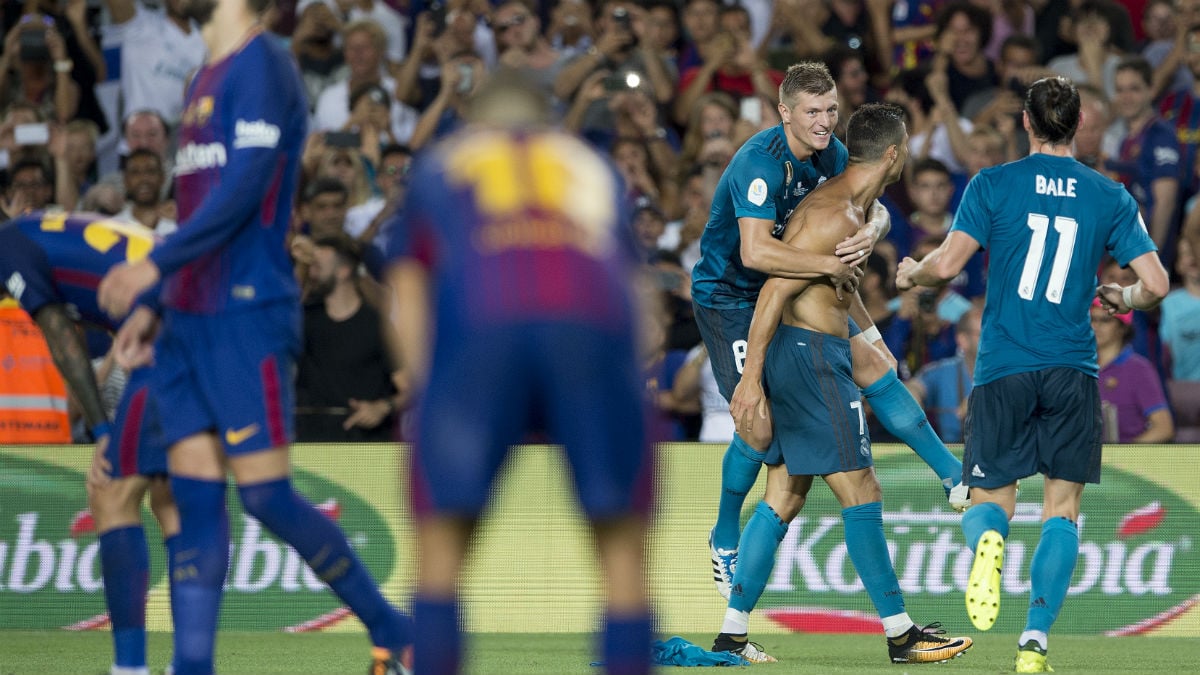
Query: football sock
pixel 899 413
pixel 739 470
pixel 983 517
pixel 896 625
pixel 1050 572
pixel 437 639
pixel 125 566
pixel 736 622
pixel 756 556
pixel 198 565
pixel 1037 636
pixel 626 644
pixel 323 546
pixel 869 552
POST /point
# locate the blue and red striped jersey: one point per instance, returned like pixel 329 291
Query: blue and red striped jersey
pixel 518 227
pixel 59 258
pixel 235 177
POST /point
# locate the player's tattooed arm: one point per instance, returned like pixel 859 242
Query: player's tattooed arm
pixel 70 355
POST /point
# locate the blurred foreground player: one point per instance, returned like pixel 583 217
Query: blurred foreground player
pixel 230 332
pixel 512 265
pixel 51 264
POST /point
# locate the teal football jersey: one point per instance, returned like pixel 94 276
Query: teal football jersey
pixel 763 180
pixel 1046 223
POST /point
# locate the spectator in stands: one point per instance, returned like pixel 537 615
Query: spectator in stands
pixel 731 64
pixel 1166 45
pixel 80 154
pixel 935 129
pixel 710 128
pixel 694 386
pixel 30 187
pixel 1147 160
pixel 147 129
pixel 1133 402
pixel 849 72
pixel 370 117
pixel 942 387
pixel 1095 117
pixel 1016 69
pixel 1096 60
pixel 649 224
pixel 364 48
pixel 103 197
pixel 346 383
pixel 322 214
pixel 41 77
pixel 392 22
pixel 923 328
pixel 461 76
pixel 1180 325
pixel 663 29
pixel 367 222
pixel 144 178
pixel 963 30
pixel 65 25
pixel 520 42
pixel 160 50
pixel 620 48
pixel 315 45
pixel 349 168
pixel 700 26
pixel 570 29
pixel 1181 109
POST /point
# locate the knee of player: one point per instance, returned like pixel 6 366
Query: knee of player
pixel 115 502
pixel 868 362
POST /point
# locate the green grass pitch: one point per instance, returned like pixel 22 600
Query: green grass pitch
pixel 61 653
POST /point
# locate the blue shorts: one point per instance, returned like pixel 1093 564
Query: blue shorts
pixel 819 423
pixel 136 447
pixel 725 333
pixel 230 373
pixel 1044 421
pixel 490 387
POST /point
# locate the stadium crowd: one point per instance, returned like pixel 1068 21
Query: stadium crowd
pixel 91 96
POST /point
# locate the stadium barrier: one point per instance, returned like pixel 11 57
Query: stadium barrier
pixel 533 568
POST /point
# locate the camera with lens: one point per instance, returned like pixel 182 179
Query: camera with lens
pixel 927 301
pixel 33 45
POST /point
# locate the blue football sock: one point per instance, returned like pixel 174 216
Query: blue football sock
pixel 739 470
pixel 1050 572
pixel 756 557
pixel 200 560
pixel 125 566
pixel 323 546
pixel 869 552
pixel 626 648
pixel 983 517
pixel 437 639
pixel 899 413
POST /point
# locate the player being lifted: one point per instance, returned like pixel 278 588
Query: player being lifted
pixel 819 428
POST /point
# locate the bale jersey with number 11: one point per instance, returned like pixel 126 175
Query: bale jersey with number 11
pixel 1046 221
pixel 763 180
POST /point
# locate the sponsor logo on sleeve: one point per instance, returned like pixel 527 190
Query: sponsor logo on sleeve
pixel 757 194
pixel 256 134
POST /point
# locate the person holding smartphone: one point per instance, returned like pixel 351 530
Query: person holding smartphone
pixel 35 53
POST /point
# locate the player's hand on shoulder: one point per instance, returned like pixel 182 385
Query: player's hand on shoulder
pixel 855 249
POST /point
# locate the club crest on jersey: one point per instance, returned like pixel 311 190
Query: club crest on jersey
pixel 199 113
pixel 757 194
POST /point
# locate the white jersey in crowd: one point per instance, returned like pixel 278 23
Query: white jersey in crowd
pixel 157 60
